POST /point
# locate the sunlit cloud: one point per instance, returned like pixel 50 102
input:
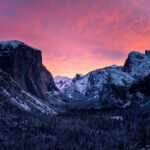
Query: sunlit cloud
pixel 77 36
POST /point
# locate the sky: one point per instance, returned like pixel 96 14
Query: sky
pixel 78 36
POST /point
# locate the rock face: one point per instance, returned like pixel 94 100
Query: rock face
pixel 114 86
pixel 13 98
pixel 138 64
pixel 77 77
pixel 24 63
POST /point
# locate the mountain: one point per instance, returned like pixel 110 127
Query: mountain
pixel 114 86
pixel 24 63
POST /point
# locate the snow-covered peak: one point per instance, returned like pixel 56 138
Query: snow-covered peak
pixel 11 43
pixel 14 44
pixel 62 82
pixel 59 78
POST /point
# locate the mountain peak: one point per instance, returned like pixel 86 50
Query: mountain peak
pixel 62 82
pixel 14 44
pixel 77 77
pixel 135 55
pixel 138 55
pixel 138 64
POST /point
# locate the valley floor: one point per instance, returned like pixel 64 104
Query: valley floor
pixel 127 129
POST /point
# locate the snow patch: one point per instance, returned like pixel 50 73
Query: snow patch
pixel 19 104
pixel 118 118
pixel 127 104
pixel 44 108
pixel 82 84
pixel 6 93
pixel 12 43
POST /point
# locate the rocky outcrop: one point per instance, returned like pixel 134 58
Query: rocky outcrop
pixel 137 64
pixel 24 63
pixel 77 77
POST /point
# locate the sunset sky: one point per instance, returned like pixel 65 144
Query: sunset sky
pixel 78 36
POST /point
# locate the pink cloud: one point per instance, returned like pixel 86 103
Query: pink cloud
pixel 78 36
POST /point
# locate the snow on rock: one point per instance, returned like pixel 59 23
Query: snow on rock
pixel 62 82
pixel 20 104
pixel 11 43
pixel 138 64
pixel 118 118
pixel 77 88
pixel 120 78
pixel 40 105
pixel 128 103
pixel 82 84
pixel 92 85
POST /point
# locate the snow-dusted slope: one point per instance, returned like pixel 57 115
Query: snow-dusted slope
pixel 11 95
pixel 92 85
pixel 111 86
